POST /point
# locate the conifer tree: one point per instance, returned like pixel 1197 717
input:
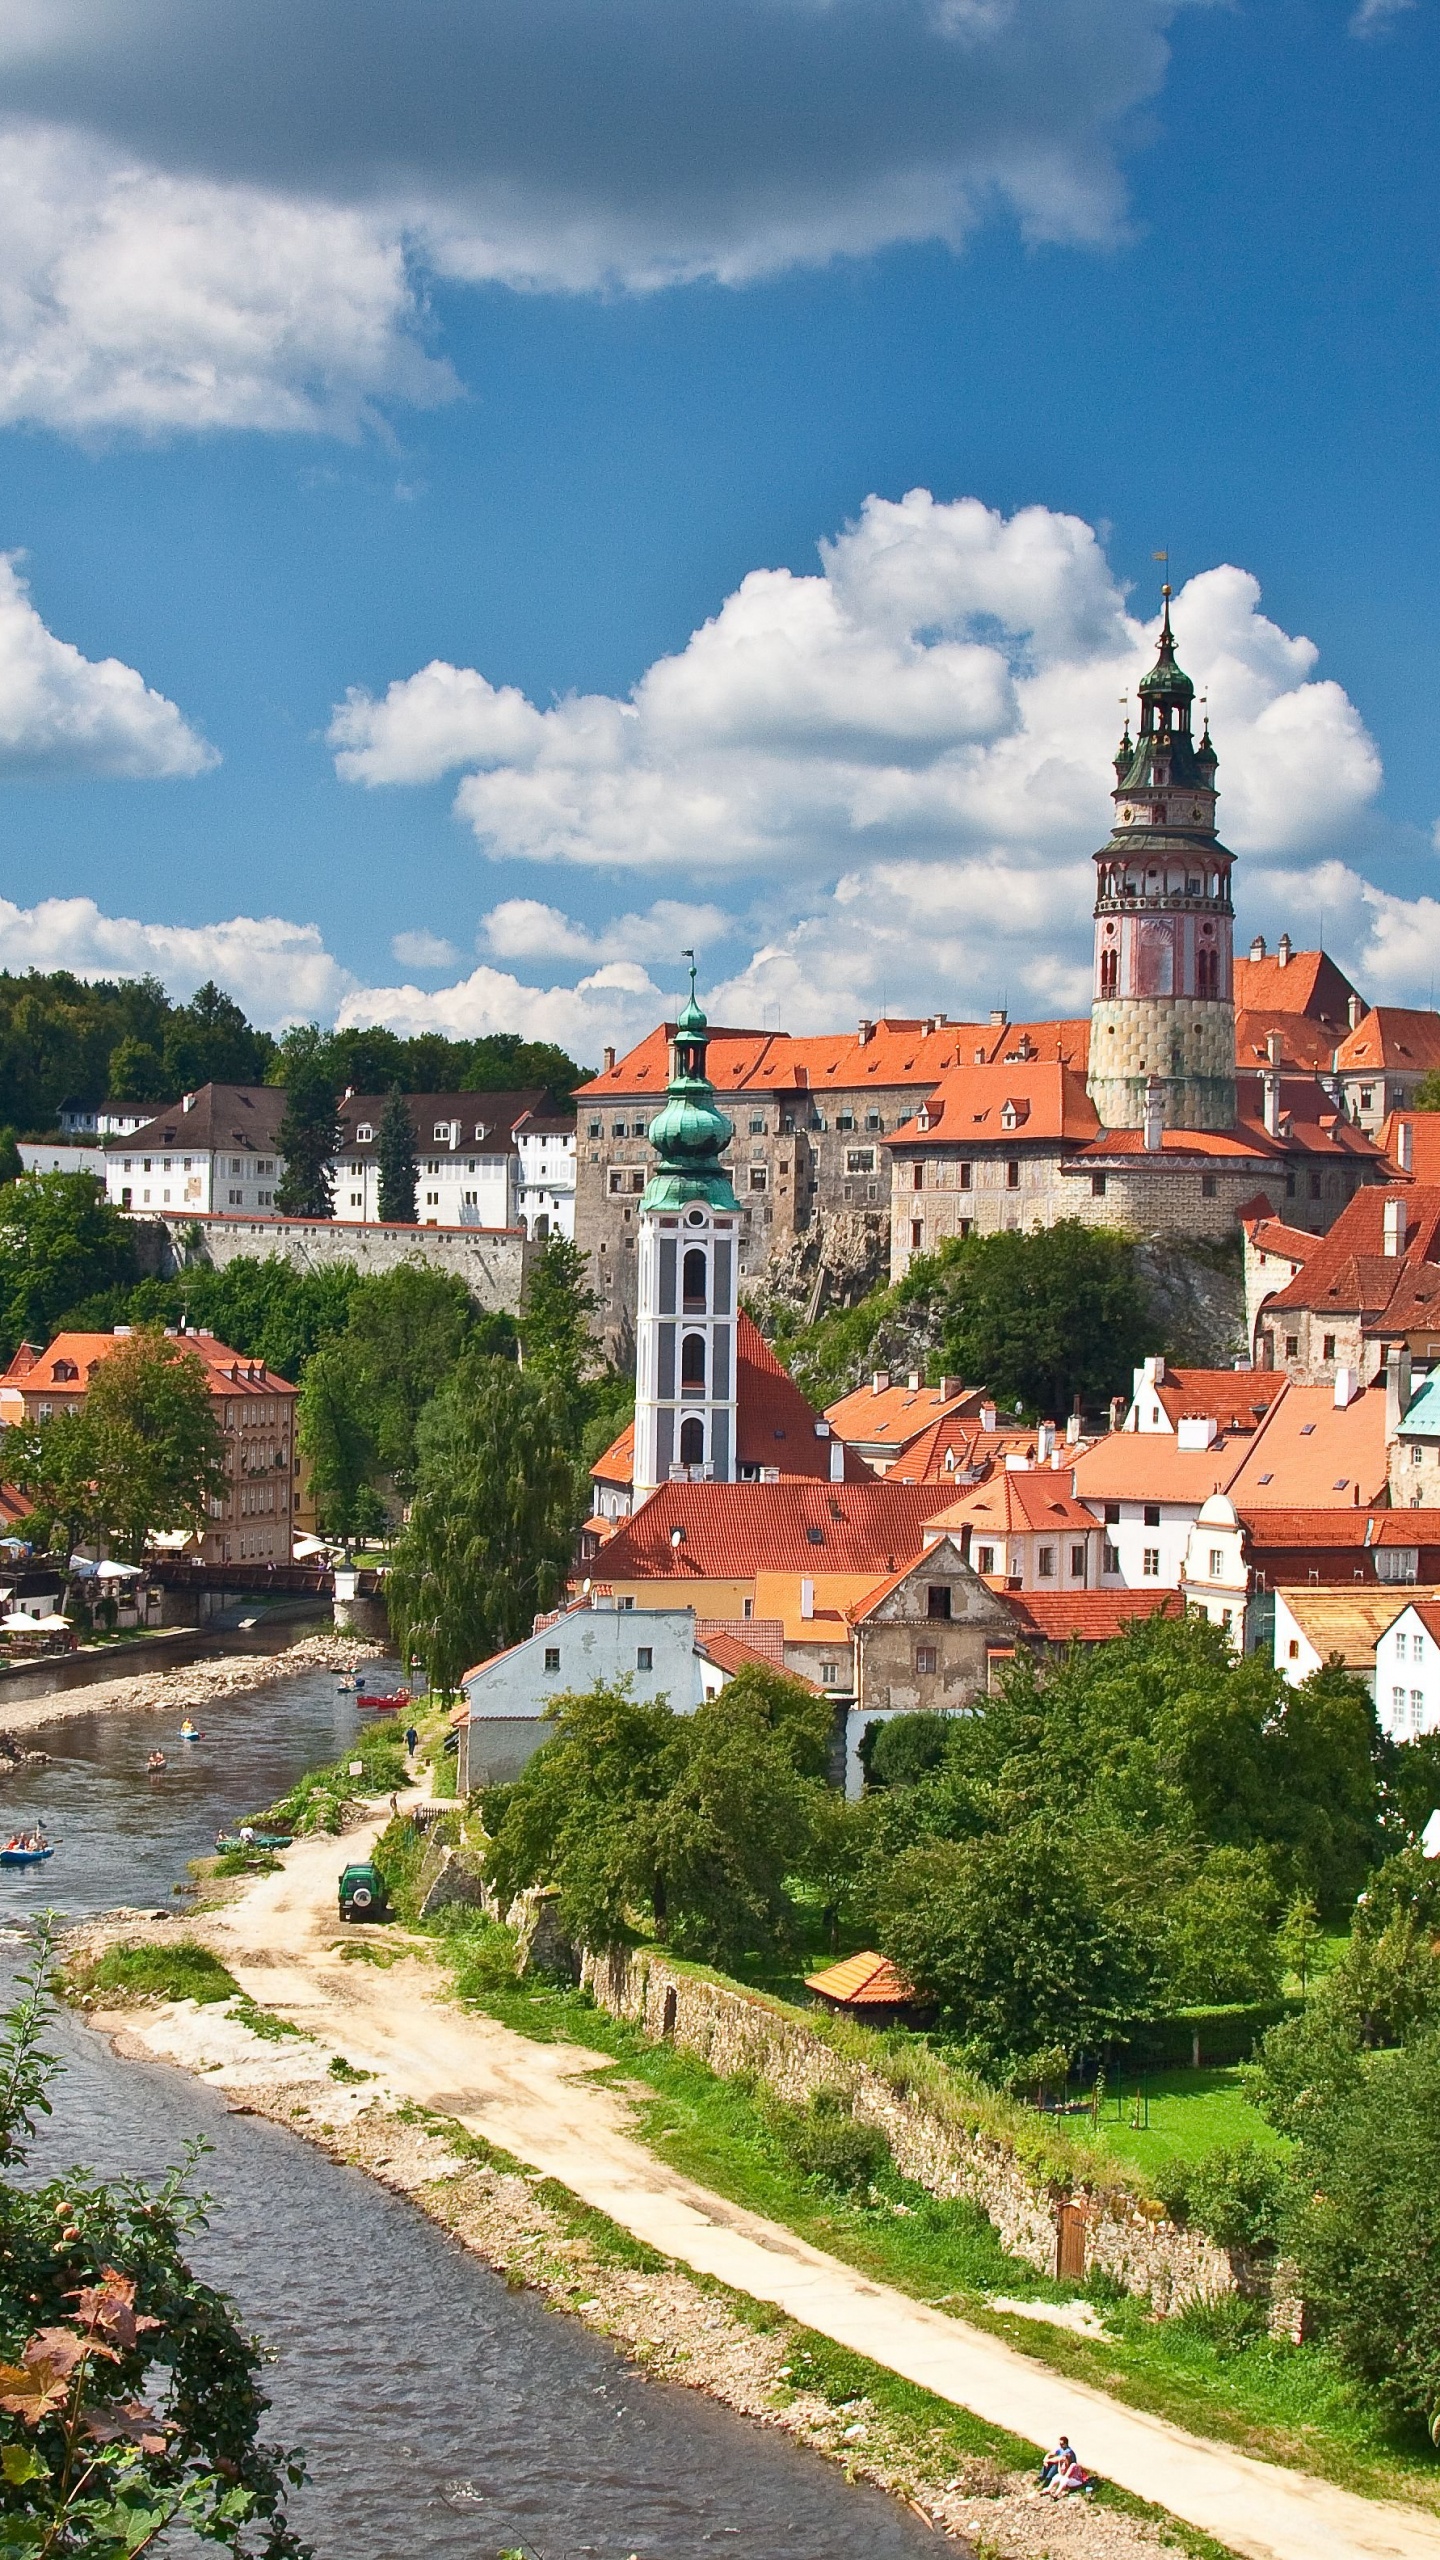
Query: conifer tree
pixel 399 1165
pixel 309 1133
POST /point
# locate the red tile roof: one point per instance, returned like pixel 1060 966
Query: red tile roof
pixel 1304 1042
pixel 1424 1128
pixel 729 1653
pixel 1367 1527
pixel 866 1981
pixel 1348 1271
pixel 1308 982
pixel 1090 1617
pixel 1310 1452
pixel 617 1465
pixel 1148 1466
pixel 894 1053
pixel 1310 1120
pixel 774 1422
pixel 963 1444
pixel 734 1531
pixel 987 1106
pixel 1235 1398
pixel 230 1372
pixel 1392 1038
pixel 763 1638
pixel 1017 1501
pixel 893 1414
pixel 1288 1244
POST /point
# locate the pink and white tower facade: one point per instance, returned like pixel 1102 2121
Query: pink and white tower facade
pixel 1162 1016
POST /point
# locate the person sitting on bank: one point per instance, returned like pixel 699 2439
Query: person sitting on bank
pixel 1053 2462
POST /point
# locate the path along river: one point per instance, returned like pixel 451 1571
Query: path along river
pixel 439 2411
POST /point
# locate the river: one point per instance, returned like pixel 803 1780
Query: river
pixel 437 2409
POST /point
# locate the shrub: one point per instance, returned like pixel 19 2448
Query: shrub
pixel 1236 2193
pixel 826 2144
pixel 184 1971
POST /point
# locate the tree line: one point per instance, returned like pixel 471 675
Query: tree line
pixel 67 1041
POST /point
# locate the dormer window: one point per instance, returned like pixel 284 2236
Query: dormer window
pixel 363 1136
pixel 64 1369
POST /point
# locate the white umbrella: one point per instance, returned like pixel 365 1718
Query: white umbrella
pixel 83 1566
pixel 110 1571
pixel 15 1619
pixel 52 1621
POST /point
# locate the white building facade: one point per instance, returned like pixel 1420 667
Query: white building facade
pixel 1407 1673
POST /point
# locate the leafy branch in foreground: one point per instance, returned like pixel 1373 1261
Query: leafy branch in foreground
pixel 129 2394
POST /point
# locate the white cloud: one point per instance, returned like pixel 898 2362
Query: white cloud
pixel 525 928
pixel 279 972
pixel 1373 16
pixel 231 218
pixel 615 1003
pixel 63 715
pixel 421 950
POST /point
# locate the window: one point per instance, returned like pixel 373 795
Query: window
pixel 1400 1648
pixel 637 1181
pixel 236 1198
pixel 363 1136
pixel 873 1120
pixel 618 1129
pixel 1045 1564
pixel 1151 1565
pixel 552 1657
pixel 1367 1097
pixel 829 1675
pixel 757 1125
pixel 1077 1561
pixel 1417 1649
pixel 693 1293
pixel 1397 1564
pixel 917 1177
pixel 1217 1563
pixel 925 1657
pixel 1208 1186
pixel 1012 1175
pixel 692 1364
pixel 937 1600
pixel 965 1182
pixel 1294 1649
pixel 644 1657
pixel 759 1177
pixel 1397 1704
pixel 859 1159
pixel 1097 1186
pixel 1314 1186
pixel 917 1234
pixel 1327 1351
pixel 1112 1514
pixel 984 1559
pixel 357 1200
pixel 1152 1515
pixel 617 1183
pixel 843 1120
pixel 692 1441
pixel 1292 1346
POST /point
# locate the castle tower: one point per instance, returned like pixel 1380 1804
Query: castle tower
pixel 686 1280
pixel 1162 1017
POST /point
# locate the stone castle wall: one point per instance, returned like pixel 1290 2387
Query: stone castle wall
pixel 1188 1041
pixel 736 2031
pixel 492 1261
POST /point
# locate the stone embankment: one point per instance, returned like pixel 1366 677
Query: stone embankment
pixel 733 2030
pixel 197 1684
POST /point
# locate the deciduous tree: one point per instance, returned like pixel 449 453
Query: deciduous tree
pixel 60 1239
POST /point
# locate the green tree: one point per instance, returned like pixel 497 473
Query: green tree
pixel 130 2399
pixel 137 1072
pixel 399 1165
pixel 1300 1939
pixel 1014 1939
pixel 12 1163
pixel 493 1520
pixel 144 1452
pixel 60 1239
pixel 404 1333
pixel 309 1134
pixel 1427 1092
pixel 334 1437
pixel 209 1041
pixel 555 1325
pixel 580 1816
pixel 54 1462
pixel 1220 1942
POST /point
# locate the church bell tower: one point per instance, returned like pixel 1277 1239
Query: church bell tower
pixel 687 1279
pixel 1162 1016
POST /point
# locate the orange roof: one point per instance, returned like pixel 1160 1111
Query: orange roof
pixel 617 1464
pixel 892 1414
pixel 734 1532
pixel 1287 1244
pixel 230 1373
pixel 1428 1613
pixel 863 1982
pixel 763 1638
pixel 1017 1501
pixel 884 1053
pixel 987 1105
pixel 1306 982
pixel 1240 1144
pixel 1273 1528
pixel 944 1450
pixel 1310 1119
pixel 1424 1128
pixel 1149 1466
pixel 1235 1398
pixel 1088 1617
pixel 1304 1042
pixel 833 1595
pixel 1310 1453
pixel 1394 1038
pixel 729 1653
pixel 1348 1269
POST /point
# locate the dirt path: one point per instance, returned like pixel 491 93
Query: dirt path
pixel 282 1942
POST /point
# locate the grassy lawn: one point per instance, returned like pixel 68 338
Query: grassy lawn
pixel 1214 2370
pixel 1171 2115
pixel 184 1971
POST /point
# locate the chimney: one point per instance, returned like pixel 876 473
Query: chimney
pixel 1154 1114
pixel 837 1461
pixel 1270 1102
pixel 1257 947
pixel 999 1016
pixel 1355 1013
pixel 1397 1389
pixel 913 1381
pixel 1117 1412
pixel 187 1101
pixel 1073 1429
pixel 879 1382
pixel 1045 1443
pixel 1405 1145
pixel 950 1388
pixel 807 1596
pixel 1347 1387
pixel 609 1060
pixel 802 1077
pixel 1282 950
pixel 1394 1229
pixel 1195 1432
pixel 866 1034
pixel 1275 1047
pixel 1153 1373
pixel 987 1417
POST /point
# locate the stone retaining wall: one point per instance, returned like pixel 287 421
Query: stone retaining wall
pixel 492 1261
pixel 733 2031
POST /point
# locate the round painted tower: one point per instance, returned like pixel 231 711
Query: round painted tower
pixel 1162 1016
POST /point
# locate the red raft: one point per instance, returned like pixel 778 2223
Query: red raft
pixel 383 1706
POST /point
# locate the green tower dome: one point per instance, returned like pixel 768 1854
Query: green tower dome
pixel 691 1132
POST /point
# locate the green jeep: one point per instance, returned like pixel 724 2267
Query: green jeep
pixel 363 1893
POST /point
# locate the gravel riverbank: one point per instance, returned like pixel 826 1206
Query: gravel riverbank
pixel 194 1685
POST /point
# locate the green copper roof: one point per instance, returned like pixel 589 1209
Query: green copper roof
pixel 690 1133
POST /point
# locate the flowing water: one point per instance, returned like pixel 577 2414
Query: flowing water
pixel 439 2411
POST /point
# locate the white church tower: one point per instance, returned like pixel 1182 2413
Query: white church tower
pixel 687 1280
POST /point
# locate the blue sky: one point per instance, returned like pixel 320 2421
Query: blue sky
pixel 533 340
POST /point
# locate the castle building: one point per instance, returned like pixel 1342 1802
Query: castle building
pixel 1162 1022
pixel 687 1232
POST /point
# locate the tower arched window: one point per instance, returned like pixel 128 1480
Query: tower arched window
pixel 692 1441
pixel 692 1364
pixel 694 1282
pixel 1110 972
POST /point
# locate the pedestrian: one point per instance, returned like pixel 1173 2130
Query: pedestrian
pixel 411 1739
